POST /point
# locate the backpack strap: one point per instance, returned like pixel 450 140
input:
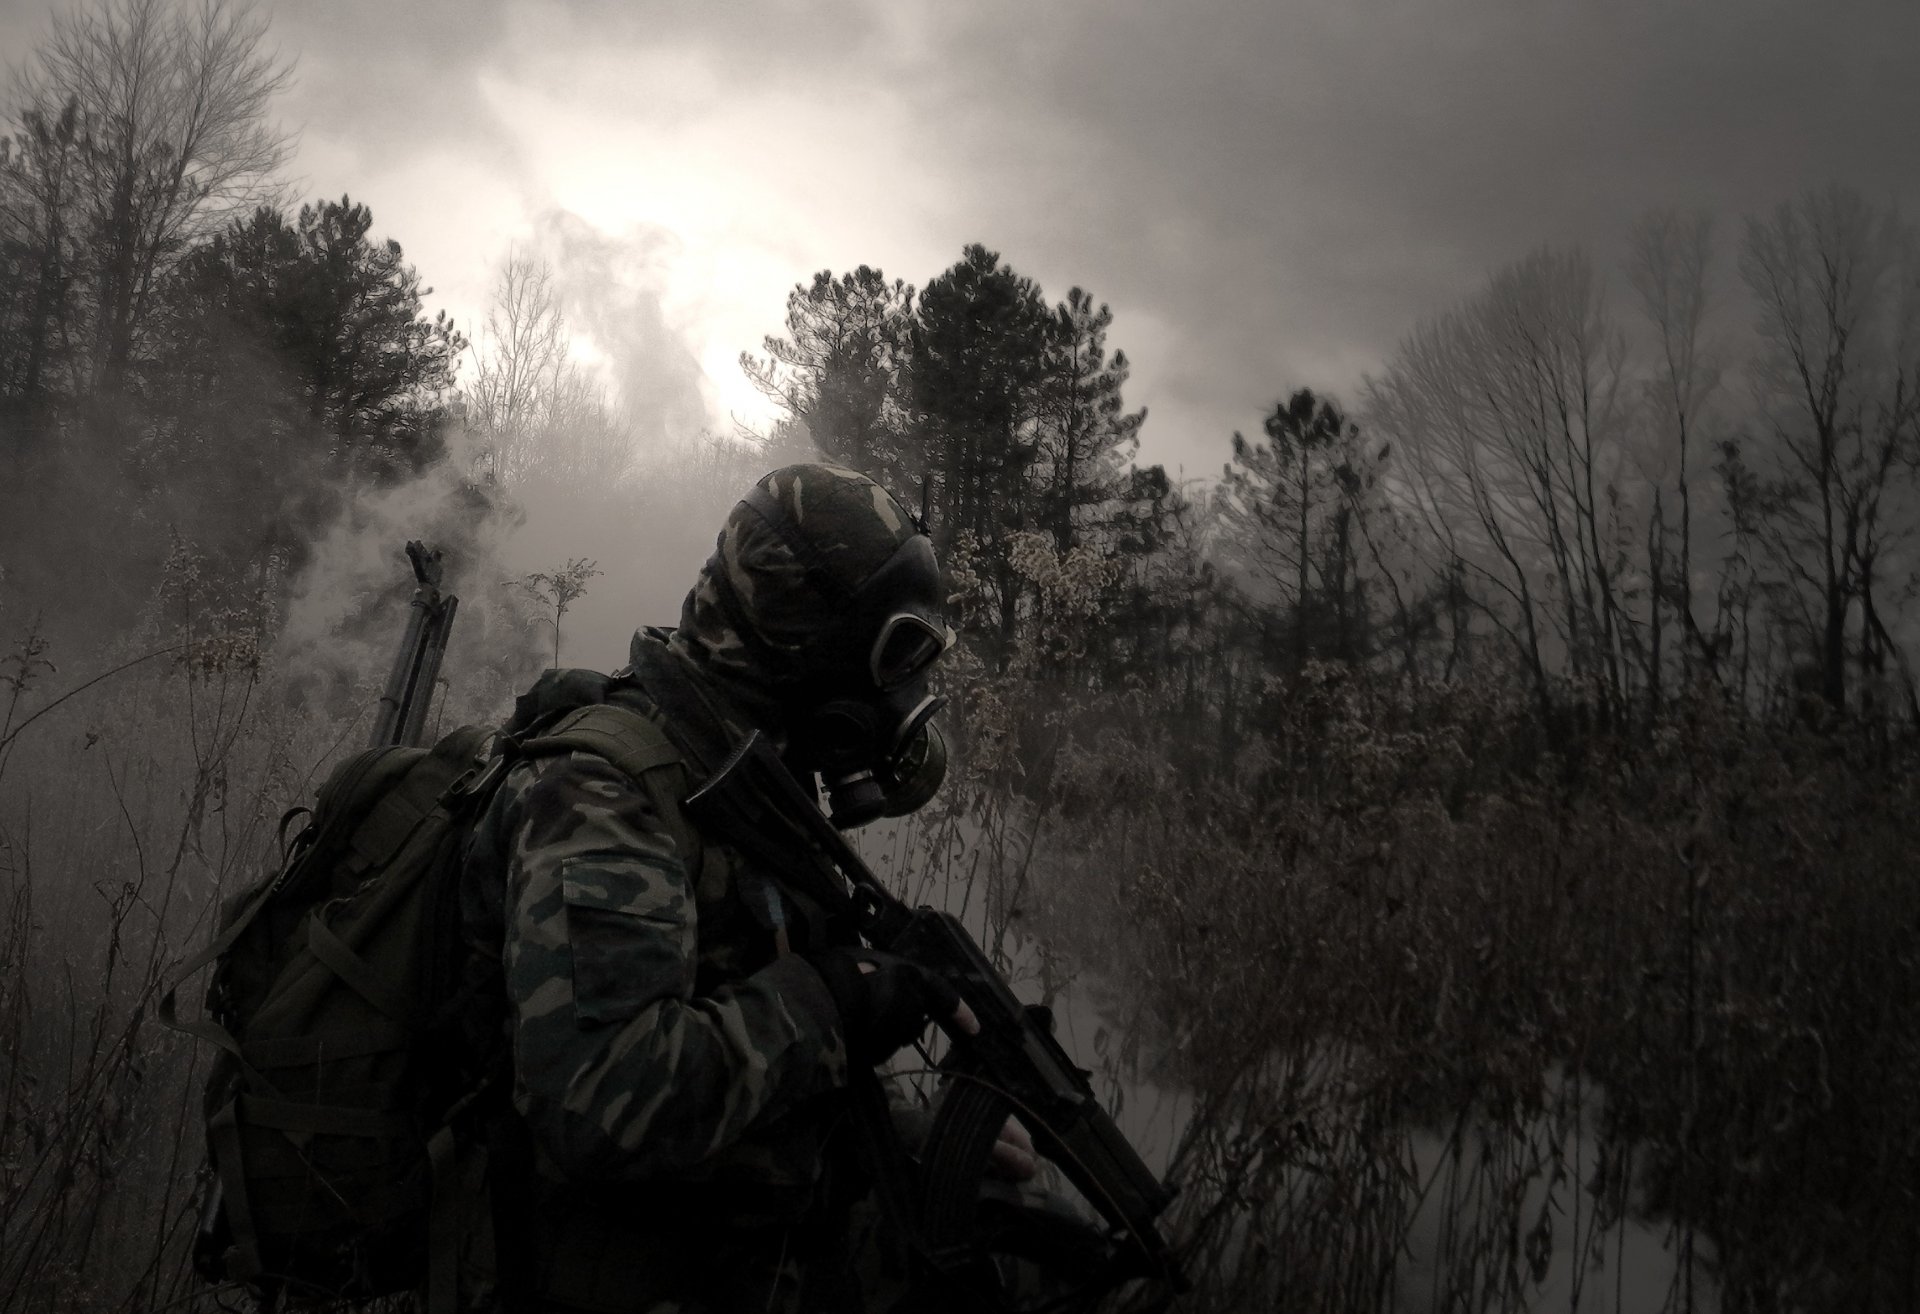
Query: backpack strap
pixel 640 749
pixel 206 1028
pixel 625 738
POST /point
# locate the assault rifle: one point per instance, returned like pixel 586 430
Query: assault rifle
pixel 402 718
pixel 1013 1065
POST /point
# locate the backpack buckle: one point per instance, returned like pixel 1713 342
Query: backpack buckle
pixel 479 780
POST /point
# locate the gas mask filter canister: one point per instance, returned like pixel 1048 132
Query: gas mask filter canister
pixel 862 787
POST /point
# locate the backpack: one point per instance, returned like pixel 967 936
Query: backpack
pixel 359 1050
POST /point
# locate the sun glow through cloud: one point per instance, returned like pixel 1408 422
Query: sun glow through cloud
pixel 1268 196
pixel 737 242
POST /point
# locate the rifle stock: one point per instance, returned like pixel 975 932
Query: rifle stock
pixel 1014 1063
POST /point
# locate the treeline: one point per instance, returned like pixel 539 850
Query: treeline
pixel 1519 760
pixel 1607 508
pixel 1608 496
pixel 183 353
pixel 998 415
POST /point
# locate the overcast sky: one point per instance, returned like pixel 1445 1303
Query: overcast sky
pixel 1267 194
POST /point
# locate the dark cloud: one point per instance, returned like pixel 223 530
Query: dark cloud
pixel 389 81
pixel 1267 194
pixel 1292 185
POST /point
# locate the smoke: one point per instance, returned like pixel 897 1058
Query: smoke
pixel 79 553
pixel 647 533
pixel 347 609
pixel 632 479
pixel 636 481
pixel 613 292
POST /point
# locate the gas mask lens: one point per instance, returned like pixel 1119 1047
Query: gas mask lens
pixel 906 646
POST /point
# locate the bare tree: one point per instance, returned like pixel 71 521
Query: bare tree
pixel 586 440
pixel 1837 387
pixel 1669 259
pixel 1506 414
pixel 559 590
pixel 172 106
pixel 539 413
pixel 520 356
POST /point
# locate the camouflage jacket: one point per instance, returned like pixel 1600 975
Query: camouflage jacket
pixel 679 1077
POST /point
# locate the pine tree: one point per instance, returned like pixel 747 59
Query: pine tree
pixel 980 344
pixel 839 369
pixel 1290 506
pixel 370 366
pixel 1087 437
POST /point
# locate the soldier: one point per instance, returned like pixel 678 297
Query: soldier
pixel 686 1029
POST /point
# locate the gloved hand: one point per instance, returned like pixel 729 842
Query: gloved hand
pixel 884 1000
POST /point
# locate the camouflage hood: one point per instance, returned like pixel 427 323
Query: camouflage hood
pixel 790 556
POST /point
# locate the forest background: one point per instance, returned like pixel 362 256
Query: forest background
pixel 1493 788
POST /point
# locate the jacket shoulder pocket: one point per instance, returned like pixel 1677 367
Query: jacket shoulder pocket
pixel 630 935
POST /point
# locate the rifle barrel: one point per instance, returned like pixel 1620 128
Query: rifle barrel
pixel 402 716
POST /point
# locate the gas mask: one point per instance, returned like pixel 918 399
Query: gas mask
pixel 864 715
pixel 822 607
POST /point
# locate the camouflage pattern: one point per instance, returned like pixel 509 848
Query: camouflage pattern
pixel 675 1071
pixel 677 1065
pixel 853 523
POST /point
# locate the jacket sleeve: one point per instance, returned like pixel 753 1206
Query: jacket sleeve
pixel 620 1071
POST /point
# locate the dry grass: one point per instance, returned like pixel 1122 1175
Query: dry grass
pixel 129 806
pixel 143 781
pixel 1465 1013
pixel 1417 949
